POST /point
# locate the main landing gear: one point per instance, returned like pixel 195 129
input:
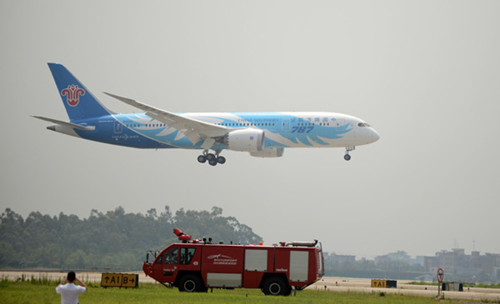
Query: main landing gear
pixel 347 150
pixel 213 159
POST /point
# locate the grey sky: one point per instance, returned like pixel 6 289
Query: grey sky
pixel 425 74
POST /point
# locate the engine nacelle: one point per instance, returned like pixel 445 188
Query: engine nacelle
pixel 269 152
pixel 249 140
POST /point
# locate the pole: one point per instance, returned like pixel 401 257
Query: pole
pixel 440 276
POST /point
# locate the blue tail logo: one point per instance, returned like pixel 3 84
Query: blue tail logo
pixel 77 99
pixel 73 93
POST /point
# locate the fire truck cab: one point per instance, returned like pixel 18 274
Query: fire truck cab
pixel 196 265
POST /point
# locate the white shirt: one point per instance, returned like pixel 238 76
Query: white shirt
pixel 69 293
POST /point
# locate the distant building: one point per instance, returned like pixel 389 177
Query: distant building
pixel 459 266
pixel 399 256
pixel 419 260
pixel 345 259
pixel 340 259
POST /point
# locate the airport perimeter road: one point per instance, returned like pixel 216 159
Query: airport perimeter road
pixel 331 284
pixel 338 284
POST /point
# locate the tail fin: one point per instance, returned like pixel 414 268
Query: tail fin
pixel 79 102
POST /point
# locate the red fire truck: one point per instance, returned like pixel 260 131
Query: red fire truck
pixel 196 265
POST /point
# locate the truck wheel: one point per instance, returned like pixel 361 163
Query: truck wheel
pixel 191 283
pixel 276 286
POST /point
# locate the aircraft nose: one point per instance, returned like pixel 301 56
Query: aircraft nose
pixel 374 136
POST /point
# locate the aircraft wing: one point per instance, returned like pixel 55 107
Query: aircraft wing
pixel 66 124
pixel 195 130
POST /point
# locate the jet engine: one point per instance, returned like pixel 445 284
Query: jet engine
pixel 269 152
pixel 250 140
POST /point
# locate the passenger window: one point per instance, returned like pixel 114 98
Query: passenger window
pixel 171 256
pixel 187 255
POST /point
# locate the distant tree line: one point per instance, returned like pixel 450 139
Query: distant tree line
pixel 114 240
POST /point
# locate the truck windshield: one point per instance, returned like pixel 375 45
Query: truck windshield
pixel 171 256
pixel 158 260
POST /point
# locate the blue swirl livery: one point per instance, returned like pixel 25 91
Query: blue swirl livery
pixel 262 134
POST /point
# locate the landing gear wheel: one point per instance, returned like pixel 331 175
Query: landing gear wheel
pixel 275 286
pixel 210 156
pixel 347 150
pixel 191 283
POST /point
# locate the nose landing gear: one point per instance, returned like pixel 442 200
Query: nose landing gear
pixel 213 159
pixel 347 150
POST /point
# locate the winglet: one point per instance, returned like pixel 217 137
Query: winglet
pixel 125 100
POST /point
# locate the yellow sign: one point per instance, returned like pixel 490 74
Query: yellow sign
pixel 379 283
pixel 130 280
pixel 119 280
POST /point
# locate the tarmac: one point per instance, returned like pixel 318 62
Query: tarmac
pixel 339 284
pixel 328 284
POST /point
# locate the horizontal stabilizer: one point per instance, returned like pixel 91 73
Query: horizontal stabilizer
pixel 66 124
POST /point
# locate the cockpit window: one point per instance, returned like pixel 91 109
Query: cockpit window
pixel 363 124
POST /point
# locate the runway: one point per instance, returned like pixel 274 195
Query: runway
pixel 339 284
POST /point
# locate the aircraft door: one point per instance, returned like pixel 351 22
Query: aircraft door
pixel 285 127
pixel 117 128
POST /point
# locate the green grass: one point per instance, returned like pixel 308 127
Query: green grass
pixel 480 285
pixel 26 292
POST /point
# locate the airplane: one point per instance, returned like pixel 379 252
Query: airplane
pixel 262 134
